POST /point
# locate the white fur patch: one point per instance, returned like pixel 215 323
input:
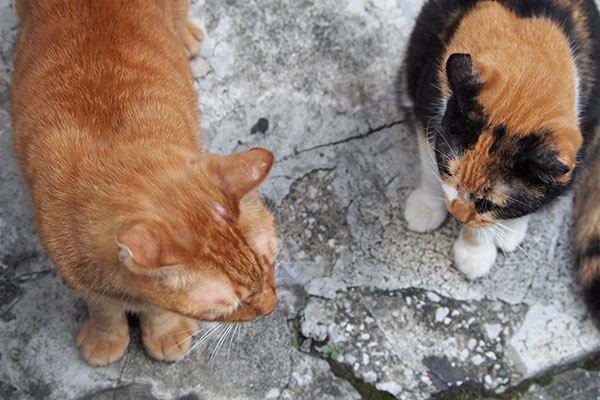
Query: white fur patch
pixel 510 233
pixel 450 192
pixel 474 260
pixel 423 211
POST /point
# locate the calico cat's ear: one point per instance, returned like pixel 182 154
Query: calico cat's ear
pixel 555 160
pixel 139 248
pixel 239 173
pixel 545 165
pixel 464 80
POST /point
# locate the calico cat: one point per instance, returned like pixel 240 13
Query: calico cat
pixel 506 96
pixel 132 213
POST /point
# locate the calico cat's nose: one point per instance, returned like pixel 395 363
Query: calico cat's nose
pixel 462 211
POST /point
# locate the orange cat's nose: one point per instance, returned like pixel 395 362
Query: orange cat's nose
pixel 464 212
pixel 268 302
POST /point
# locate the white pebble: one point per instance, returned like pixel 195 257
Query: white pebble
pixel 441 313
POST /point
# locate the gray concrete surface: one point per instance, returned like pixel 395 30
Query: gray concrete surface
pixel 397 318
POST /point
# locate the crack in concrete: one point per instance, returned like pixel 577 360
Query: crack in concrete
pixel 341 141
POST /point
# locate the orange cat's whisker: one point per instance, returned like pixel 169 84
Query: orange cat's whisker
pixel 206 335
pixel 220 341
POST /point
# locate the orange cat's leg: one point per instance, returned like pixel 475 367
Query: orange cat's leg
pixel 166 335
pixel 191 34
pixel 103 338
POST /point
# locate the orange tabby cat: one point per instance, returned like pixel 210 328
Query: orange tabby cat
pixel 132 213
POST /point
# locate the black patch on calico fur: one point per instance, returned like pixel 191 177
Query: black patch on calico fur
pixel 590 249
pixel 484 205
pixel 464 81
pixel 591 296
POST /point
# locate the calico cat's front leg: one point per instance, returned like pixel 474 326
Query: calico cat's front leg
pixel 425 208
pixel 166 335
pixel 509 233
pixel 103 338
pixel 475 249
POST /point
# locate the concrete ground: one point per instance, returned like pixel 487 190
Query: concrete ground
pixel 367 308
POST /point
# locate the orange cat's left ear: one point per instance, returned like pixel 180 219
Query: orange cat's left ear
pixel 239 173
pixel 139 248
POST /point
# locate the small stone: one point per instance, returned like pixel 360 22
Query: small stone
pixel 365 336
pixel 477 359
pixel 200 68
pixel 370 377
pixel 441 313
pixel 433 297
pixel 492 330
pixel 447 321
pixel 305 347
pixel 369 320
pixel 491 355
pixel 472 343
pixel 488 380
pixel 365 359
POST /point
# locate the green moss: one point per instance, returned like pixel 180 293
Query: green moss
pixel 592 364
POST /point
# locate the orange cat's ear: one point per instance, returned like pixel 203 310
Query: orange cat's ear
pixel 239 173
pixel 139 248
pixel 463 78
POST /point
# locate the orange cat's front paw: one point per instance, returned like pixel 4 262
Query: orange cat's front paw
pixel 99 347
pixel 192 35
pixel 167 336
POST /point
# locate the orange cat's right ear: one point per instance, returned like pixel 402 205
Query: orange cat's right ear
pixel 139 248
pixel 239 173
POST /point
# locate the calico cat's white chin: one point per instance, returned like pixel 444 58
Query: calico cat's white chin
pixel 423 211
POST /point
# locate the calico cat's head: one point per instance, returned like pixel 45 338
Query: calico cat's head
pixel 205 246
pixel 504 147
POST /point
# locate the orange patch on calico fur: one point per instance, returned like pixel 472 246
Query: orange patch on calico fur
pixel 519 60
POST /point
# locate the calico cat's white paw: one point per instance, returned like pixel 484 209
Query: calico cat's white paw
pixel 472 258
pixel 510 233
pixel 424 213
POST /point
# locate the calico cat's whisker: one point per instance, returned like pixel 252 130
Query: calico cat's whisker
pixel 520 202
pixel 503 238
pixel 442 154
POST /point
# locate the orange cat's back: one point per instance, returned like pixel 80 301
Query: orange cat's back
pixel 63 76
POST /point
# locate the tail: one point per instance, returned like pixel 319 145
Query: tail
pixel 587 236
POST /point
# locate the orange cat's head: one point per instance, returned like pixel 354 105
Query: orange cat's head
pixel 204 244
pixel 506 145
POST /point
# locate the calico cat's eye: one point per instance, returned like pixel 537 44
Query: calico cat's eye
pixel 484 205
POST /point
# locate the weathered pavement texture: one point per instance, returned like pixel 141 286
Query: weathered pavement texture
pixel 367 308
